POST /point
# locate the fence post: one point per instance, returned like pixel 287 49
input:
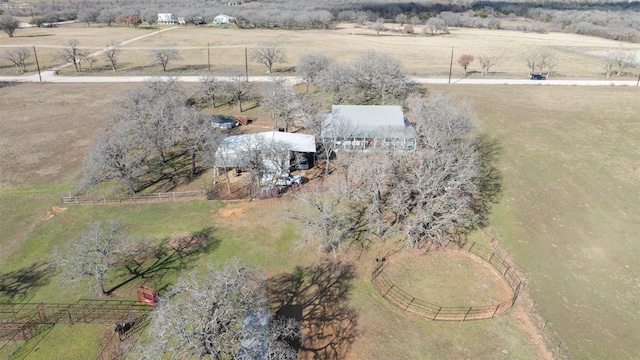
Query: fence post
pixel 494 313
pixel 437 312
pixel 531 310
pixel 174 195
pixel 491 257
pixel 557 349
pixel 467 314
pixel 544 325
pixel 471 247
pixel 385 294
pixel 409 304
pixel 505 272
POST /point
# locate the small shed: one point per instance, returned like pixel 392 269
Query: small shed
pixel 223 19
pixel 223 122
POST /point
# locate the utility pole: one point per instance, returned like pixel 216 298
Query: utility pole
pixel 37 64
pixel 451 65
pixel 246 64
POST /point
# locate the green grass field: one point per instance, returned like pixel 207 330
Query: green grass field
pixel 569 212
pixel 568 217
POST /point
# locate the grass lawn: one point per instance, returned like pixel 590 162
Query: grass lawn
pixel 568 216
pixel 569 212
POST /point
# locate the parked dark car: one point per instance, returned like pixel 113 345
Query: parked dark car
pixel 538 77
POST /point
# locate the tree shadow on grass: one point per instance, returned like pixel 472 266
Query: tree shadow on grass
pixel 19 284
pixel 317 296
pixel 490 185
pixel 155 262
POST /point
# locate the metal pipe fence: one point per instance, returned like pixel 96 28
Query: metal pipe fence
pixel 434 312
pixel 18 322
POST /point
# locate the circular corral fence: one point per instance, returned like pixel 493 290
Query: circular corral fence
pixel 430 311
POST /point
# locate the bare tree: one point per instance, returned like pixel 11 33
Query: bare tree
pixel 401 18
pixel 88 16
pixel 72 54
pixel 158 115
pixel 532 59
pixel 325 219
pixel 434 187
pixel 18 57
pixel 621 59
pixel 107 16
pixel 269 55
pixel 162 56
pixel 279 100
pixel 100 248
pixel 212 88
pixel 547 60
pixel 378 26
pixel 464 60
pixel 119 153
pixel 194 133
pixel 381 78
pixel 8 24
pixel 111 53
pixel 339 80
pixel 486 63
pixel 310 66
pixel 433 25
pixel 205 316
pixel 239 89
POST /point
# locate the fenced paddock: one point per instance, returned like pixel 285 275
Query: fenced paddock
pixel 166 196
pixel 426 310
pixel 19 322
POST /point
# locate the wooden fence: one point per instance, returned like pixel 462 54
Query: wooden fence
pixel 430 311
pixel 169 196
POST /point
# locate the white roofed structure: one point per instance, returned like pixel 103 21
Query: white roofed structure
pixel 234 149
pixel 369 126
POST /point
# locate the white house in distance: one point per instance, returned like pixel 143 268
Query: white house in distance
pixel 369 127
pixel 167 18
pixel 223 19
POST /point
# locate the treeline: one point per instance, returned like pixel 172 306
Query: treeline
pixel 612 20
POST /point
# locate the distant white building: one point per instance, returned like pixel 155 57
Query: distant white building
pixel 223 19
pixel 167 18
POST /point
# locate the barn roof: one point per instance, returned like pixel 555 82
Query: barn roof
pixel 292 141
pixel 232 150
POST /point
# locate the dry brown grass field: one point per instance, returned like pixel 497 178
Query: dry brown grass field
pixel 578 56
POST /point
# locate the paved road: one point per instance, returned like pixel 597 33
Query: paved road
pixel 50 76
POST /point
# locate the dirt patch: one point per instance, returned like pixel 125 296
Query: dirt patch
pixel 55 210
pixel 232 211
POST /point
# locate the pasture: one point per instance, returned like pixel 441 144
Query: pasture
pixel 568 215
pixel 577 56
pixel 261 232
pixel 569 212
